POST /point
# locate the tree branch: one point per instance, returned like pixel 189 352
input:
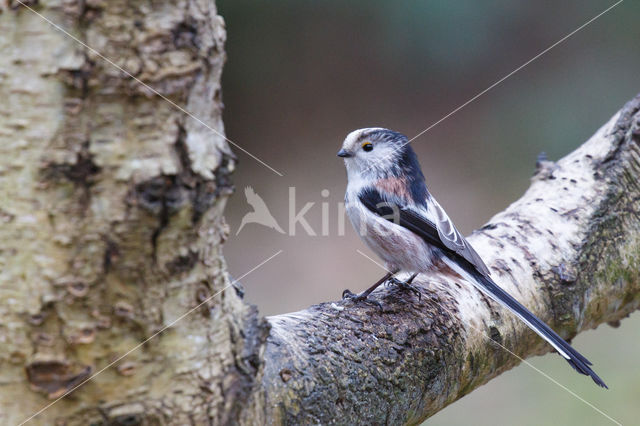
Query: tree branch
pixel 569 250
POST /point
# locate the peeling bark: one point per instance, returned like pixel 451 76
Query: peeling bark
pixel 569 250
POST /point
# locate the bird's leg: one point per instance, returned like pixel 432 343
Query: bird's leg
pixel 411 278
pixel 407 284
pixel 347 294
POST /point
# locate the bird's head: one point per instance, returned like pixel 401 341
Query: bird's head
pixel 376 152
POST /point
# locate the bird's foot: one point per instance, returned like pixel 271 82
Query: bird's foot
pixel 405 285
pixel 362 297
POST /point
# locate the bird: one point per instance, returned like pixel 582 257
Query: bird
pixel 390 207
pixel 260 213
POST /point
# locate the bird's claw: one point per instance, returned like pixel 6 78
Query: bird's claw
pixel 349 295
pixel 405 285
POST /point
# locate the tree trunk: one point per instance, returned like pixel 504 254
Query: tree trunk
pixel 111 218
pixel 111 229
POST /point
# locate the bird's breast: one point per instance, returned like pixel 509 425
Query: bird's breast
pixel 396 245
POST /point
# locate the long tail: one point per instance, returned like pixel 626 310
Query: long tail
pixel 491 289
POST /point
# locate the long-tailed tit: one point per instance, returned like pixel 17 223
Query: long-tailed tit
pixel 390 207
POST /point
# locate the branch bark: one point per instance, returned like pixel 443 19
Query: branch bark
pixel 569 250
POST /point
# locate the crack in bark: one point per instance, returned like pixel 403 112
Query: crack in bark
pixel 163 196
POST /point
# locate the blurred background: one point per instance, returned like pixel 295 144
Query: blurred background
pixel 302 74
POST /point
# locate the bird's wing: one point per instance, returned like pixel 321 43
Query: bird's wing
pixel 250 194
pixel 439 232
pixel 254 199
pixel 453 239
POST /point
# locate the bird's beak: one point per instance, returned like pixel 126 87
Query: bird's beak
pixel 344 153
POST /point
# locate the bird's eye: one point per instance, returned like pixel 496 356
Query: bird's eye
pixel 367 146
